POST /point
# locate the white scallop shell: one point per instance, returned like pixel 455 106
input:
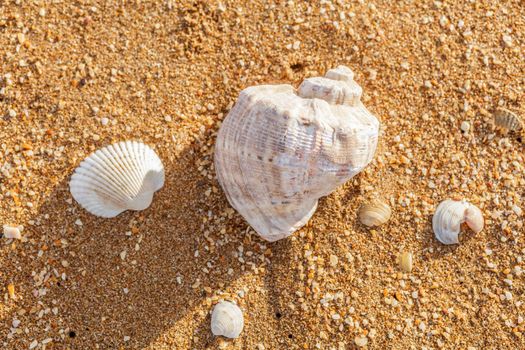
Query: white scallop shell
pixel 449 216
pixel 116 178
pixel 279 150
pixel 227 320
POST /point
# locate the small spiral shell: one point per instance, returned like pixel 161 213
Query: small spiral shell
pixel 375 213
pixel 449 216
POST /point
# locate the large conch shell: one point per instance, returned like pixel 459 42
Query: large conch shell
pixel 116 178
pixel 279 150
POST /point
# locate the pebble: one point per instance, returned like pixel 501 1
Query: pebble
pixel 405 262
pixel 21 38
pixel 33 344
pixel 334 260
pixel 12 113
pixel 42 12
pixel 361 341
pixel 465 126
pixel 11 290
pixel 104 121
pixel 507 40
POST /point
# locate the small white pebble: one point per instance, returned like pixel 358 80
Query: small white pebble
pixel 361 341
pixel 127 338
pixel 508 295
pixel 334 260
pixel 12 113
pixel 33 344
pixel 78 222
pixel 16 323
pixel 507 40
pixel 42 12
pixel 167 118
pixel 104 121
pixel 465 126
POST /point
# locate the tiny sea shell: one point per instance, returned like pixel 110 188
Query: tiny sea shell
pixel 374 213
pixel 506 119
pixel 12 232
pixel 405 261
pixel 116 178
pixel 227 320
pixel 449 216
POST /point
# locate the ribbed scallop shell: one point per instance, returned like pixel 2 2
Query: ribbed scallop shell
pixel 375 213
pixel 506 119
pixel 116 178
pixel 279 150
pixel 449 216
pixel 227 320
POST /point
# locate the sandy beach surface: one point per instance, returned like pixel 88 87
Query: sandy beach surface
pixel 79 75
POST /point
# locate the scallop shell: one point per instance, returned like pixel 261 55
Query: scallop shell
pixel 449 216
pixel 375 213
pixel 227 320
pixel 508 120
pixel 116 178
pixel 279 150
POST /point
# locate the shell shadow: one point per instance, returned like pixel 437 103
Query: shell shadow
pixel 137 275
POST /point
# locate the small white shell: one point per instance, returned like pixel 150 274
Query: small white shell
pixel 227 320
pixel 11 232
pixel 116 178
pixel 449 216
pixel 375 213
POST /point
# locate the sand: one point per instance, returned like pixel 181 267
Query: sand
pixel 78 75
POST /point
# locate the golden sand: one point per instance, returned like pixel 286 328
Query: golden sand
pixel 78 75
